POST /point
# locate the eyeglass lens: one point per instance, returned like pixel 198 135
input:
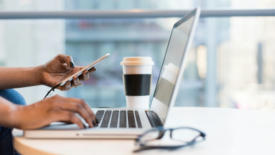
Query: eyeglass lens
pixel 178 137
pixel 186 135
pixel 154 134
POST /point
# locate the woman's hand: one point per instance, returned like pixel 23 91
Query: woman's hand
pixel 59 68
pixel 49 110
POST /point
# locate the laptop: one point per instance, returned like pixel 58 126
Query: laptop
pixel 125 123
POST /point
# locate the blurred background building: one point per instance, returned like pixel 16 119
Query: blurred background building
pixel 230 64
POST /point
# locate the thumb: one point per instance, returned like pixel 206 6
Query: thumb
pixel 70 62
pixel 66 59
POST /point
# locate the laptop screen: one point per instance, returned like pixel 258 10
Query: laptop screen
pixel 171 65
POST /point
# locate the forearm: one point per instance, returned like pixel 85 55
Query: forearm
pixel 19 77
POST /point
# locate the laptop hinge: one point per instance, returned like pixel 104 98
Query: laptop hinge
pixel 153 119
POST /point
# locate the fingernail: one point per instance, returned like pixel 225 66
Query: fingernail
pixel 68 86
pixel 94 123
pixel 72 64
pixel 77 81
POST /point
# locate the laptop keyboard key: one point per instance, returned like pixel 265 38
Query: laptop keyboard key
pixel 99 114
pixel 138 119
pixel 131 119
pixel 122 119
pixel 106 118
pixel 114 119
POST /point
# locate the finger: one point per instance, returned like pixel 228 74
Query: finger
pixel 75 82
pixel 86 106
pixel 93 69
pixel 80 84
pixel 68 116
pixel 88 109
pixel 84 76
pixel 66 86
pixel 75 105
pixel 66 59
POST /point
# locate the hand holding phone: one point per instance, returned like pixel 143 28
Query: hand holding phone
pixel 70 78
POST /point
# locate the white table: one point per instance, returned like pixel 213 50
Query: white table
pixel 228 131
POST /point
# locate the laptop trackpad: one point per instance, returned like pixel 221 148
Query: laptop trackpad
pixel 60 126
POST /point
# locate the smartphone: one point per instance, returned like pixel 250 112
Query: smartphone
pixel 85 68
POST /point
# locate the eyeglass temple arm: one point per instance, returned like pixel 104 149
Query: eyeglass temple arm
pixel 143 148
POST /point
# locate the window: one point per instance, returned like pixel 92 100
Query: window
pixel 230 64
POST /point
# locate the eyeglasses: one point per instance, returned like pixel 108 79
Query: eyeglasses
pixel 179 137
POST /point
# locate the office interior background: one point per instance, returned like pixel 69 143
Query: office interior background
pixel 231 63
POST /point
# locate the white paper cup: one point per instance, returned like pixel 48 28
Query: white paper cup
pixel 137 77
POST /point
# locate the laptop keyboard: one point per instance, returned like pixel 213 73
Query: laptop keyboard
pixel 131 119
pixel 138 119
pixel 122 119
pixel 118 118
pixel 106 118
pixel 99 115
pixel 114 119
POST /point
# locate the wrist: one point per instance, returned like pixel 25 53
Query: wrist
pixel 16 116
pixel 20 116
pixel 10 115
pixel 38 72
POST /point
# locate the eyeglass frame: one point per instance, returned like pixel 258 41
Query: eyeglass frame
pixel 161 134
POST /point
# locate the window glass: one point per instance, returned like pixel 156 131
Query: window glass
pixel 230 63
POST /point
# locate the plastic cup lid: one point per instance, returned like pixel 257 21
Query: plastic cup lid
pixel 137 61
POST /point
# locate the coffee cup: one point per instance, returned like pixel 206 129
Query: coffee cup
pixel 137 77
